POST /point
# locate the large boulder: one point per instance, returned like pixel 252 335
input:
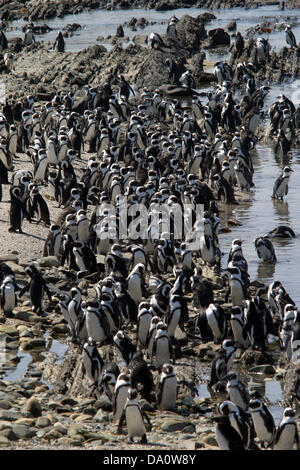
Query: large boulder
pixel 190 32
pixel 218 37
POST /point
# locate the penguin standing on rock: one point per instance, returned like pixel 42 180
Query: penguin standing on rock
pixel 134 417
pixel 8 297
pixel 92 363
pixel 166 393
pixel 37 286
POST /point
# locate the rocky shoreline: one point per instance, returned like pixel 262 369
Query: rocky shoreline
pixel 38 10
pixel 53 406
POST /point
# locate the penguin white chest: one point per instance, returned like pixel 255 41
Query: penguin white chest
pixel 135 423
pixel 169 394
pixel 286 440
pixel 10 298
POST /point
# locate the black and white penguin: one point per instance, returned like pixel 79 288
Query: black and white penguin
pixel 166 392
pixel 162 348
pixel 290 37
pixel 282 231
pixel 8 296
pixel 37 286
pixel 222 362
pixel 254 325
pixel 134 417
pixel 108 379
pixel 265 249
pixel 217 321
pixel 17 210
pixel 59 43
pixel 240 421
pixel 135 283
pixel 143 322
pixel 125 347
pixel 97 324
pixel 263 422
pixel 92 362
pixel 120 396
pixel 85 258
pixel 141 376
pixel 227 437
pixel 237 288
pixel 286 435
pixel 156 41
pixel 39 207
pixel 286 331
pixel 237 392
pixel 280 188
pixel 237 323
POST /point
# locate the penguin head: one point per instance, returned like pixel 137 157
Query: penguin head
pixel 132 394
pixel 255 405
pixel 167 369
pixel 289 412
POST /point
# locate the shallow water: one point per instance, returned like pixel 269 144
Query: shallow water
pixel 104 23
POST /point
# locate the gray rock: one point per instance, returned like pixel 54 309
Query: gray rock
pixel 61 428
pixel 48 262
pixel 10 415
pixel 9 434
pixel 5 404
pixel 43 422
pixel 23 431
pixel 172 425
pixel 33 407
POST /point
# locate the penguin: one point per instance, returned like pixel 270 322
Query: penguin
pixel 141 376
pixel 254 326
pixel 135 283
pixel 37 286
pixel 17 211
pixel 166 391
pixel 286 434
pixel 162 348
pixel 143 322
pixel 156 41
pixel 59 43
pixel 85 258
pixel 217 322
pixel 125 347
pixel 97 324
pixel 134 418
pixel 108 379
pixel 8 296
pixel 237 392
pixel 222 362
pixel 280 188
pixel 92 362
pixel 282 231
pixel 263 422
pixel 265 249
pixel 39 207
pixel 237 323
pixel 290 37
pixel 226 436
pixel 74 306
pixel 237 287
pixel 240 421
pixel 120 396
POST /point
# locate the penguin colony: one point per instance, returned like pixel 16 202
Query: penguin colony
pixel 153 151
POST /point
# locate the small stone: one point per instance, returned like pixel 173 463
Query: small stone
pixel 263 369
pixel 23 431
pixel 43 422
pixel 10 415
pixel 48 262
pixel 210 440
pixel 60 328
pixel 5 404
pixel 69 401
pixel 60 428
pixel 172 425
pixel 51 435
pixel 9 434
pixel 104 403
pixel 33 407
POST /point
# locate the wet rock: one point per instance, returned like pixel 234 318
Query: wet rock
pixel 231 26
pixel 251 357
pixel 190 33
pixel 33 407
pixel 266 369
pixel 60 328
pixel 35 343
pixel 206 17
pixel 218 37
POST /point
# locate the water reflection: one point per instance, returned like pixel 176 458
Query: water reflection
pixel 265 270
pixel 281 208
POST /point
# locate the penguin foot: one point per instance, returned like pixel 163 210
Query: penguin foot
pixel 144 440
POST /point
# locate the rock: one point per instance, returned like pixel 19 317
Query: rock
pixel 60 428
pixel 190 33
pixel 35 343
pixel 172 425
pixel 218 37
pixel 101 416
pixel 69 401
pixel 10 415
pixel 210 439
pixel 231 26
pixel 266 369
pixel 104 403
pixel 74 429
pixel 60 328
pixel 33 407
pixel 48 262
pixel 9 330
pixel 52 435
pixel 5 405
pixel 251 357
pixel 29 317
pixel 9 434
pixel 43 422
pixel 23 431
pixel 206 17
